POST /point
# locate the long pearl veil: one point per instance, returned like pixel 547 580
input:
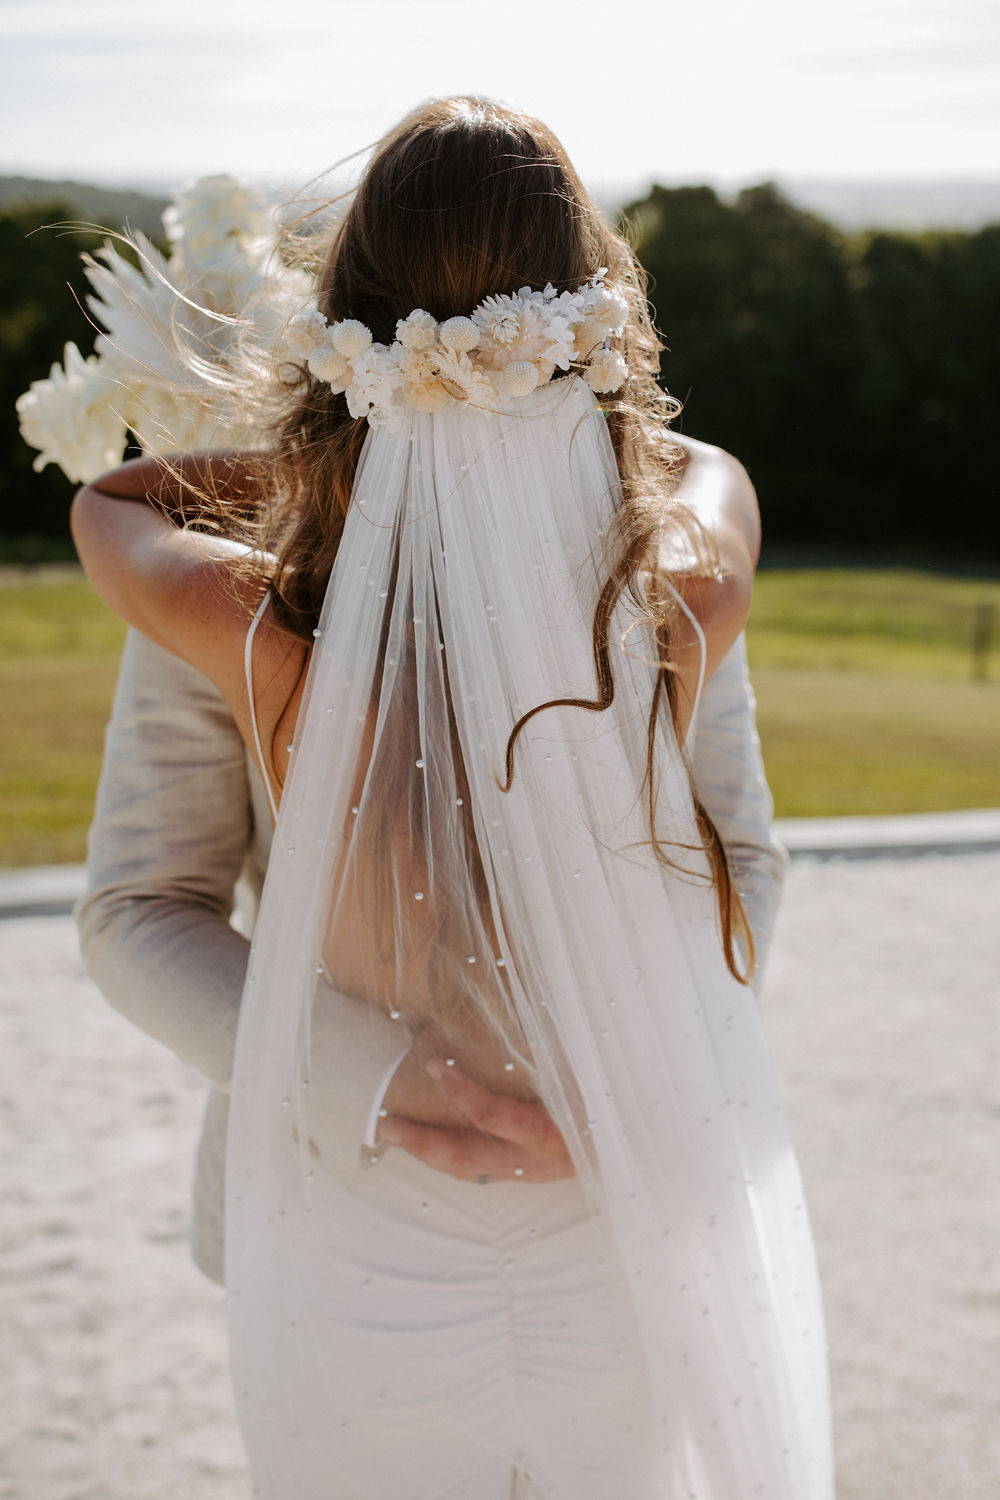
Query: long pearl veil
pixel 535 926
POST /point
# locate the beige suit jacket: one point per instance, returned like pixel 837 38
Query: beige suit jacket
pixel 176 860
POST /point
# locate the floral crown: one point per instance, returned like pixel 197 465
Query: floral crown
pixel 507 347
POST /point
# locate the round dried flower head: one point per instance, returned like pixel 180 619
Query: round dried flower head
pixel 610 308
pixel 350 338
pixel 459 335
pixel 326 364
pixel 520 377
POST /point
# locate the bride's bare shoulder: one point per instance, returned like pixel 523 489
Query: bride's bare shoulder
pixel 717 489
pixel 709 553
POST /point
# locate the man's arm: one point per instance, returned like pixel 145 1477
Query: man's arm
pixel 170 831
pixel 171 828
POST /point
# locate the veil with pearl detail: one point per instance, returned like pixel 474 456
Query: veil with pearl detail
pixel 534 926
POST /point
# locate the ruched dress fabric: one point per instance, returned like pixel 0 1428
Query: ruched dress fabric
pixel 486 1343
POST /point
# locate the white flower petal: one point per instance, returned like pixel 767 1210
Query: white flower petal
pixel 74 418
pixel 417 331
pixel 606 371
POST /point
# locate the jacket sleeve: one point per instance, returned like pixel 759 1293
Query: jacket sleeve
pixel 171 828
pixel 728 770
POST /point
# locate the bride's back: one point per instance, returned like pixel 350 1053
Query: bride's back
pixel 463 596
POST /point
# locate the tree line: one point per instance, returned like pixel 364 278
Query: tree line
pixel 856 375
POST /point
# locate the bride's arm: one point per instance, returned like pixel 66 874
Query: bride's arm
pixel 726 760
pixel 717 490
pixel 179 587
pixel 228 474
pixel 727 765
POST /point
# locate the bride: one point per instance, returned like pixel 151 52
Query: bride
pixel 467 648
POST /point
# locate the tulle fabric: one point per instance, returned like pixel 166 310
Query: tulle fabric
pixel 536 929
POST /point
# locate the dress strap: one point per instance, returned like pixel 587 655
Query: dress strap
pixel 703 645
pixel 248 668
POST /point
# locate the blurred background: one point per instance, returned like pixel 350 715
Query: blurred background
pixel 814 193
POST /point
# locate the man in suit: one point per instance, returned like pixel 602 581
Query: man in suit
pixel 176 860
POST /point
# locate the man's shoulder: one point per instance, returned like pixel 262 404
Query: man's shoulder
pixel 160 686
pixel 167 719
pixel 144 657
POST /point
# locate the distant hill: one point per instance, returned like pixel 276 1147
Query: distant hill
pixel 109 207
pixel 849 202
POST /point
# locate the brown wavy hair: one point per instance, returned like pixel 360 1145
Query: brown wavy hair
pixel 463 198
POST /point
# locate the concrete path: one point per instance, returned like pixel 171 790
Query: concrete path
pixel 881 1005
pixel 48 890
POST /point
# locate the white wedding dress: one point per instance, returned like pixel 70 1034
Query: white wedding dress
pixel 652 1328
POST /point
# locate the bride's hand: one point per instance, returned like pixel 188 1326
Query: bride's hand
pixel 501 1137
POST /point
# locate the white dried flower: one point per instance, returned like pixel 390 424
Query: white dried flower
pixel 70 418
pixel 215 219
pixel 499 319
pixel 568 305
pixel 519 378
pixel 606 371
pixel 166 419
pixel 608 308
pixel 426 395
pixel 417 331
pixel 326 364
pixel 376 378
pixel 459 335
pixel 510 345
pixel 350 337
pixel 559 348
pixel 471 380
pixel 304 331
pixel 588 335
pixel 417 365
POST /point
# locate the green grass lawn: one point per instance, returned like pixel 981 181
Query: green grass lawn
pixel 866 696
pixel 59 650
pixel 866 701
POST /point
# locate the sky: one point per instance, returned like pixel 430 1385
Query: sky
pixel 122 91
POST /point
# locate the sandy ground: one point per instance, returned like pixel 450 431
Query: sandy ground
pixel 881 1006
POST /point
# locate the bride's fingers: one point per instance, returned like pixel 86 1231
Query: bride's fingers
pixel 471 1154
pixel 525 1124
pixel 461 1153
